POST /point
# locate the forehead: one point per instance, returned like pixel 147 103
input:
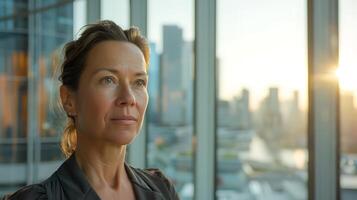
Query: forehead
pixel 121 55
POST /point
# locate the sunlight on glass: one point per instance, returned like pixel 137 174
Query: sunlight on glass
pixel 262 100
pixel 347 77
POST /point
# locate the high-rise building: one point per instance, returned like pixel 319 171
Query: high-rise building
pixel 172 90
pixel 348 123
pixel 240 111
pixel 224 114
pixel 270 115
pixel 29 45
pixel 13 57
pixel 294 123
pixel 269 122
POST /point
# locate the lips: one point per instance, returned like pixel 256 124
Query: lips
pixel 125 119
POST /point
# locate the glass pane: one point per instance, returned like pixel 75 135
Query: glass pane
pixel 262 99
pixel 79 15
pixel 117 11
pixel 27 50
pixel 170 122
pixel 55 27
pixel 348 99
pixel 13 95
pixel 33 50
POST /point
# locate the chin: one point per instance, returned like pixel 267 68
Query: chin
pixel 122 138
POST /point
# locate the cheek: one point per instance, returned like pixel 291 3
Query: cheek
pixel 94 105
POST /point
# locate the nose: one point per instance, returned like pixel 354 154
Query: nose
pixel 125 96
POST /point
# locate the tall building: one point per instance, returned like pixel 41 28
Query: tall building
pixel 224 114
pixel 13 73
pixel 172 90
pixel 348 123
pixel 269 121
pixel 241 114
pixel 29 56
pixel 294 122
pixel 270 115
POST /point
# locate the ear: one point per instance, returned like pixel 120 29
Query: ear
pixel 68 100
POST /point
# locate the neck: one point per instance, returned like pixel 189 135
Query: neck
pixel 103 164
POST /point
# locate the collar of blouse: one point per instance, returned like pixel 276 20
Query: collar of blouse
pixel 76 186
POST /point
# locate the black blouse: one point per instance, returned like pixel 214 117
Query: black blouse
pixel 69 183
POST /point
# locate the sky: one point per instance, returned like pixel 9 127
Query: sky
pixel 260 43
pixel 348 46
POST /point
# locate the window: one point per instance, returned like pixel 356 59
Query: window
pixel 170 112
pixel 348 98
pixel 51 29
pixel 262 100
pixel 13 95
pixel 261 103
pixel 30 47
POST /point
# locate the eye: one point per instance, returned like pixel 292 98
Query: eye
pixel 140 83
pixel 108 80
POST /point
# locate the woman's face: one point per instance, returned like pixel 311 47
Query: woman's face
pixel 112 96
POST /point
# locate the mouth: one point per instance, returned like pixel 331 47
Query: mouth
pixel 125 120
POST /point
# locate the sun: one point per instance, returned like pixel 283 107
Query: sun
pixel 347 76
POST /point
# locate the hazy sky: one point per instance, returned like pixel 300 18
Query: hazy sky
pixel 260 43
pixel 348 45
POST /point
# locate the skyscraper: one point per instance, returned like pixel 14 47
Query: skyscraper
pixel 241 112
pixel 172 90
pixel 28 44
pixel 270 116
pixel 294 122
pixel 348 122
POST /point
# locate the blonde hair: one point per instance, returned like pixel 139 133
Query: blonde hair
pixel 75 53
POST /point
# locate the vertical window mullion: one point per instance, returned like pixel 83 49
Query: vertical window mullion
pixel 93 11
pixel 32 116
pixel 323 99
pixel 137 150
pixel 205 99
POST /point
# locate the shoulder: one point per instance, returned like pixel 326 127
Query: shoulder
pixel 153 174
pixel 155 177
pixel 30 192
pixel 158 174
pixel 42 191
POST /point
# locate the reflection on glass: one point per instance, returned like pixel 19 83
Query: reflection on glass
pixel 348 98
pixel 171 91
pixel 262 100
pixel 55 28
pixel 19 41
pixel 13 95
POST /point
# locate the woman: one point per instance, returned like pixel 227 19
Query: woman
pixel 104 93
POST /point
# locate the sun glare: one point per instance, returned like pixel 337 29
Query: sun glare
pixel 347 77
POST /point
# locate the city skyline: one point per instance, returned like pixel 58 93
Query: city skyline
pixel 261 128
pixel 271 54
pixel 240 59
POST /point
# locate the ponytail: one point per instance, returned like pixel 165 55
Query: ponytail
pixel 69 138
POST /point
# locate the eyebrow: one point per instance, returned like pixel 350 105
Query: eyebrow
pixel 114 71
